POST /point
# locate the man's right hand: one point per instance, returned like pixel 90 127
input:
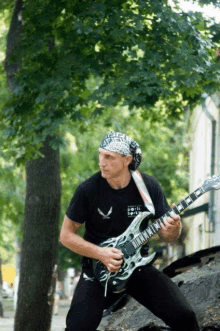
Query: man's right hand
pixel 111 257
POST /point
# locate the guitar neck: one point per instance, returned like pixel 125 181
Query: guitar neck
pixel 156 226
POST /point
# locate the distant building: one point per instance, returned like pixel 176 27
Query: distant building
pixel 203 216
pixel 201 219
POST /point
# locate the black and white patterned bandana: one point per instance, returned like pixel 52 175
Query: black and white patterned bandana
pixel 122 144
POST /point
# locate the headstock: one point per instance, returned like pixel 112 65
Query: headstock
pixel 211 183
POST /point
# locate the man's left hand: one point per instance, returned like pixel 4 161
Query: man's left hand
pixel 172 228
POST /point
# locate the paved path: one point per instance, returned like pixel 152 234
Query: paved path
pixel 58 321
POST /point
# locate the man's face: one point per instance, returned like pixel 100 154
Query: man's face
pixel 112 164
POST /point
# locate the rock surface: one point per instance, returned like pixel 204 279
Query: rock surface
pixel 200 285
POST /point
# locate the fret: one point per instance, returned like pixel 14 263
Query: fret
pixel 198 192
pixel 134 241
pixel 137 244
pixel 139 240
pixel 131 242
pixel 152 227
pixel 184 204
pixel 167 214
pixel 161 220
pixel 188 200
pixel 193 196
pixel 142 238
pixel 180 207
pixel 149 232
pixel 134 244
pixel 157 225
pixel 170 213
pixel 176 210
pixel 144 234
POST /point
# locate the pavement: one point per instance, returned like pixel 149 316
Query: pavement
pixel 58 321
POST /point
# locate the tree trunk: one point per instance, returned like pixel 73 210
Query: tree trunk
pixel 12 67
pixel 1 298
pixel 40 243
pixel 42 208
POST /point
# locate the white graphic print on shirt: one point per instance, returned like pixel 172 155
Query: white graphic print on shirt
pixel 105 217
pixel 133 211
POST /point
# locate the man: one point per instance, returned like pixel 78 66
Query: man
pixel 108 202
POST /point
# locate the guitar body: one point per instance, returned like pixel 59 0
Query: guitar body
pixel 116 281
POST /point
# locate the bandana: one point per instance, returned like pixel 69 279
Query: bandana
pixel 122 144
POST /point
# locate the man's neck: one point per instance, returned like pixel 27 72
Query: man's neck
pixel 120 182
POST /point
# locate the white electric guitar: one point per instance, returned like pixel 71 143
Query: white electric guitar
pixel 131 241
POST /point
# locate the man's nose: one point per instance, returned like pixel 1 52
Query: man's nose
pixel 101 161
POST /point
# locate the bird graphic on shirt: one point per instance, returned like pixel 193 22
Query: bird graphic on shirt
pixel 105 217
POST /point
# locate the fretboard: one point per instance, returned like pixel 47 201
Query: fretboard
pixel 156 226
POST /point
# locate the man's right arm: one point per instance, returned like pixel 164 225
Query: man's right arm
pixel 111 257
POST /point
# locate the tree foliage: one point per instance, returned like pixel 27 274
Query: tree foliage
pixel 140 53
pixel 12 178
pixel 12 183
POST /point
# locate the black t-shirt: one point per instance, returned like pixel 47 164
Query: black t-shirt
pixel 108 212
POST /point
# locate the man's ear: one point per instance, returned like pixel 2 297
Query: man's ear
pixel 128 159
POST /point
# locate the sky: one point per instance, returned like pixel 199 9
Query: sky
pixel 208 11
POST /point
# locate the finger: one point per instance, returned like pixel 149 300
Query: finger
pixel 117 257
pixel 166 221
pixel 116 262
pixel 115 250
pixel 170 220
pixel 113 268
pixel 169 223
pixel 175 216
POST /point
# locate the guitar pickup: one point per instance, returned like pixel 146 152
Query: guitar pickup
pixel 128 250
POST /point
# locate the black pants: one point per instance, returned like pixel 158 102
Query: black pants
pixel 147 285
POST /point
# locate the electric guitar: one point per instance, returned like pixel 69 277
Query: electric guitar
pixel 131 241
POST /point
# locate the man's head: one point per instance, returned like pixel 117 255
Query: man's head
pixel 124 145
pixel 112 164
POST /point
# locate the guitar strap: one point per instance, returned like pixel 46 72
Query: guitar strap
pixel 143 191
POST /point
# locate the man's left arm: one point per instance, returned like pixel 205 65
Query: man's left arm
pixel 171 230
